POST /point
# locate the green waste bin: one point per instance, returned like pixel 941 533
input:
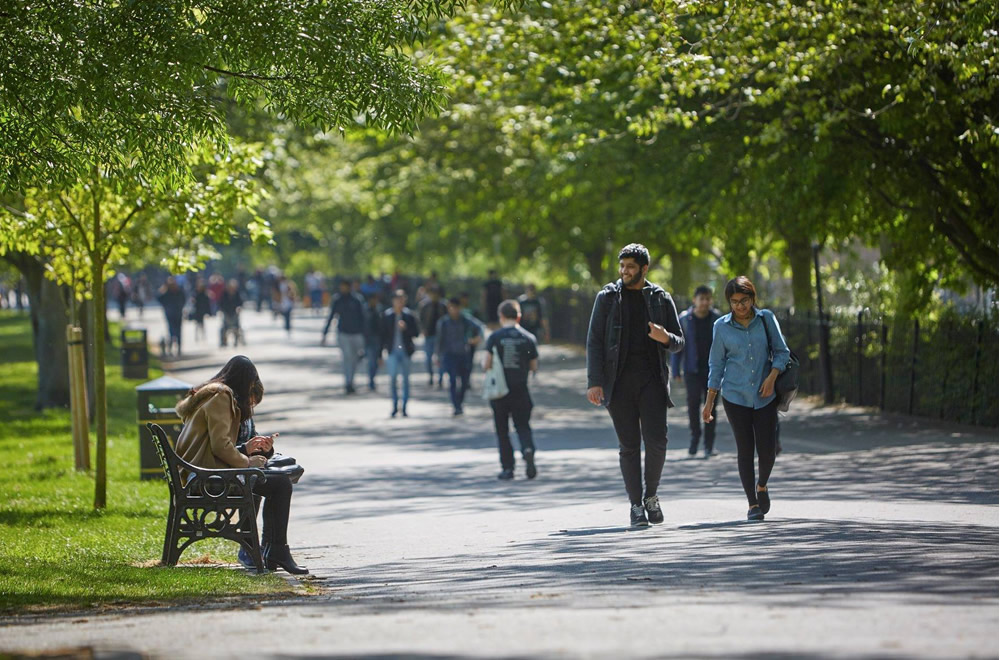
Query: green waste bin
pixel 135 354
pixel 156 401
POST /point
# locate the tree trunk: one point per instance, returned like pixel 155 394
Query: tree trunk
pixel 49 318
pixel 680 274
pixel 800 259
pixel 100 385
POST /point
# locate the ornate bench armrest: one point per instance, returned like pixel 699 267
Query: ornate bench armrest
pixel 229 476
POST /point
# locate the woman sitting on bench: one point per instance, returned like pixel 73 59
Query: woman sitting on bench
pixel 213 414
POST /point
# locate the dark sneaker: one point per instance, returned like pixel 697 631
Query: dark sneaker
pixel 530 470
pixel 653 510
pixel 638 516
pixel 764 500
pixel 693 449
pixel 709 453
pixel 505 475
pixel 755 513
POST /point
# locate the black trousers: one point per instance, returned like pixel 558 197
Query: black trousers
pixel 516 404
pixel 697 389
pixel 639 412
pixel 753 428
pixel 277 493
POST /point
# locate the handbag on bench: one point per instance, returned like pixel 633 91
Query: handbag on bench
pixel 281 465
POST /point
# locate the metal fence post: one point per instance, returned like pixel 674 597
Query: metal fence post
pixel 975 380
pixel 885 342
pixel 913 364
pixel 824 334
pixel 860 355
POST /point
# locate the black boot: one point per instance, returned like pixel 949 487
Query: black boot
pixel 280 555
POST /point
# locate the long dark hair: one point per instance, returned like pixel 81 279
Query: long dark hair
pixel 240 375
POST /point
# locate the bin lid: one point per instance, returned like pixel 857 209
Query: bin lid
pixel 163 383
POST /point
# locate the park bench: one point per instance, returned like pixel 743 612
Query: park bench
pixel 207 504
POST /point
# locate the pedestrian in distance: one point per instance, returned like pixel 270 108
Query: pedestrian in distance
pixel 140 293
pixel 201 306
pixel 748 353
pixel 286 293
pixel 399 329
pixel 518 353
pixel 373 337
pixel 123 291
pixel 691 364
pixel 633 329
pixel 230 304
pixel 213 414
pixel 534 315
pixel 431 310
pixel 172 299
pixel 456 335
pixel 349 308
pixel 317 289
pixel 493 294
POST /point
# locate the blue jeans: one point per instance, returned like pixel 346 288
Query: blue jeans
pixel 372 352
pixel 457 366
pixel 399 363
pixel 429 354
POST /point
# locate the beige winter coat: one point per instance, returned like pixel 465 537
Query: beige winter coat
pixel 211 424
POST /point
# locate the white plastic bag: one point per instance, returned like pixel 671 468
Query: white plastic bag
pixel 495 383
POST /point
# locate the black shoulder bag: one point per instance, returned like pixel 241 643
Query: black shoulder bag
pixel 787 384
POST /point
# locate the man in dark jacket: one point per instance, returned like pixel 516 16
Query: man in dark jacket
pixel 633 329
pixel 399 329
pixel 349 307
pixel 430 311
pixel 692 363
pixel 172 299
pixel 456 335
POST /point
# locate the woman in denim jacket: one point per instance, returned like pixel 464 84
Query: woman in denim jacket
pixel 744 368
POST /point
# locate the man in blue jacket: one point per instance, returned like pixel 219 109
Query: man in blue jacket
pixel 692 364
pixel 633 329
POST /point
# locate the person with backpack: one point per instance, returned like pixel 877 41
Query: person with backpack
pixel 748 354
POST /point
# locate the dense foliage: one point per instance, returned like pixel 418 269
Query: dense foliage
pixel 722 134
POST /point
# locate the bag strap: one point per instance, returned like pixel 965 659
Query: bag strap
pixel 770 347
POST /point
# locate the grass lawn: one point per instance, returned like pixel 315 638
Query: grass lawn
pixel 55 550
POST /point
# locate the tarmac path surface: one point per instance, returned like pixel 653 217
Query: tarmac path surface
pixel 882 539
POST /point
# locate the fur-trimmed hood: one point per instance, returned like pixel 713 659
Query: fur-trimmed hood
pixel 189 405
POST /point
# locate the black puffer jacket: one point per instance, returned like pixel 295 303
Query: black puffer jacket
pixel 604 339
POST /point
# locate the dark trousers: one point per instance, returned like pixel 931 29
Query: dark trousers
pixel 516 404
pixel 277 493
pixel 639 412
pixel 697 389
pixel 753 428
pixel 457 366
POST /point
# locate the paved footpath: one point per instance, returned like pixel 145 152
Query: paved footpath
pixel 882 541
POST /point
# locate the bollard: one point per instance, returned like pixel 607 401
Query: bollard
pixel 78 398
pixel 155 403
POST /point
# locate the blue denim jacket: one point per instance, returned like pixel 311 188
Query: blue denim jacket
pixel 740 360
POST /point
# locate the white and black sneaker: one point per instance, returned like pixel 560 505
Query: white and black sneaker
pixel 653 510
pixel 638 516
